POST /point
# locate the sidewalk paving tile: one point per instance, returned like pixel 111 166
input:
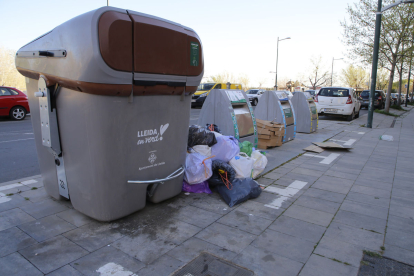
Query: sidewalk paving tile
pixel 403 186
pixel 12 240
pixel 245 221
pixel 266 263
pixel 402 193
pixel 306 178
pixel 368 199
pixel 13 217
pixel 398 253
pixel 260 210
pixel 66 270
pixel 265 181
pixel 403 239
pixel 335 185
pixel 370 191
pixel 193 247
pixel 268 198
pixel 104 259
pixel 15 201
pixel 339 174
pixel 46 228
pixel 318 204
pixel 383 177
pixel 227 237
pixel 365 209
pixel 165 265
pixel 309 172
pixel 314 167
pixel 14 264
pixel 288 246
pixel 401 211
pixel 53 253
pixel 298 228
pixel 366 222
pixel 74 217
pixel 213 203
pixel 401 224
pixel 354 235
pixel 36 195
pixel 374 184
pixel 320 266
pixel 43 208
pixel 326 195
pixel 94 235
pixel 151 241
pixel 273 176
pixel 309 215
pixel 340 250
pixel 283 182
pixel 196 216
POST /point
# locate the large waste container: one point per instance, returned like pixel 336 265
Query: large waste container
pixel 232 112
pixel 275 106
pixel 305 112
pixel 110 95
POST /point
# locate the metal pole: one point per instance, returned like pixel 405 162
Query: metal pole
pixel 332 71
pixel 374 65
pixel 107 2
pixel 277 57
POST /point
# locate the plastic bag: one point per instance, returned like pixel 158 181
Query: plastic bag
pixel 242 164
pixel 387 138
pixel 243 189
pixel 221 171
pixel 203 150
pixel 246 147
pixel 226 148
pixel 200 136
pixel 197 168
pixel 196 188
pixel 260 162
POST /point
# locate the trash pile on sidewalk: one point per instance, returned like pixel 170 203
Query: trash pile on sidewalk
pixel 270 133
pixel 222 163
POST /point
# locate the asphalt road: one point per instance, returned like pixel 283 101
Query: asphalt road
pixel 18 151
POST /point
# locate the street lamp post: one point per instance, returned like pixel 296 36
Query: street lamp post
pixel 332 68
pixel 277 57
pixel 375 54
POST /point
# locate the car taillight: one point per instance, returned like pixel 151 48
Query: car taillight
pixel 380 98
pixel 349 101
pixel 316 99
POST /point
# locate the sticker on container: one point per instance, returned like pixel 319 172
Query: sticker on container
pixel 194 54
pixel 288 112
pixel 151 135
pixel 235 96
pixel 313 109
pixel 282 96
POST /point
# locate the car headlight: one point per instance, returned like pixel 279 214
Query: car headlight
pixel 204 94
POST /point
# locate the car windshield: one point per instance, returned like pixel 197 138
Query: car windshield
pixel 334 92
pixel 253 91
pixel 312 92
pixel 205 86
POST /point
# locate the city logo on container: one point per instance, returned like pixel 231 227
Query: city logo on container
pixel 151 135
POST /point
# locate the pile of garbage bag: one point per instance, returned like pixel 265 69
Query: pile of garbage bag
pixel 219 162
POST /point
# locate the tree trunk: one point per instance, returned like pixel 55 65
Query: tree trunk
pixel 390 81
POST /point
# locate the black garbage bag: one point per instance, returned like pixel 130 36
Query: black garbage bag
pixel 221 170
pixel 243 189
pixel 213 127
pixel 200 136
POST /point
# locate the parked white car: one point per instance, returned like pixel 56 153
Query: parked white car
pixel 338 101
pixel 254 95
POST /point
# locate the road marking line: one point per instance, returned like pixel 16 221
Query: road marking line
pixel 11 186
pixel 31 181
pixel 326 159
pixel 4 199
pixel 350 142
pixel 285 194
pixel 16 140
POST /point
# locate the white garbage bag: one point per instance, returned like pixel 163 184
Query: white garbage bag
pixel 260 162
pixel 197 168
pixel 203 150
pixel 243 165
pixel 226 148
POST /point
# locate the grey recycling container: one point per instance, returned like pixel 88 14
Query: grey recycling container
pixel 110 94
pixel 231 111
pixel 305 112
pixel 275 106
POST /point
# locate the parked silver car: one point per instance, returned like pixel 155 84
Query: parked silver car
pixel 254 95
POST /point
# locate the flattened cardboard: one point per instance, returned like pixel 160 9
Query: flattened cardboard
pixel 313 148
pixel 331 145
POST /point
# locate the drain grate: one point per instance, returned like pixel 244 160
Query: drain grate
pixel 210 265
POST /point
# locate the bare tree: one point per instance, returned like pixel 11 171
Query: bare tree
pixel 318 76
pixel 9 76
pixel 354 76
pixel 261 82
pixel 244 80
pixel 223 77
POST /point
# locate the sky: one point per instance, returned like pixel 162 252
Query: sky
pixel 238 37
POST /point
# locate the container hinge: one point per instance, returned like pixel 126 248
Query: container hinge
pixel 50 133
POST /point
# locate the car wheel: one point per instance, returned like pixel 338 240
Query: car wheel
pixel 17 113
pixel 350 117
pixel 255 101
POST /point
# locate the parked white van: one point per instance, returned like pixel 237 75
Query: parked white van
pixel 338 101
